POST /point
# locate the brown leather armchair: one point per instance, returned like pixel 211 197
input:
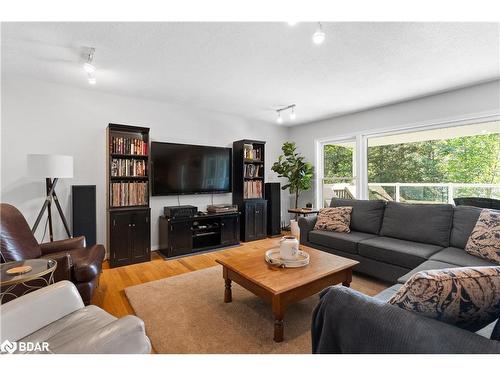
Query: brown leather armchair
pixel 75 262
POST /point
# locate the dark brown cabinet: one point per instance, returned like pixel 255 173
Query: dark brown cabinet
pixel 255 223
pixel 230 231
pixel 119 241
pixel 130 236
pixel 140 250
pixel 182 236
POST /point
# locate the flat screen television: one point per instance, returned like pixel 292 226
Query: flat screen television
pixel 189 169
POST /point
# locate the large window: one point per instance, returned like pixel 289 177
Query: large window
pixel 339 171
pixel 435 166
pixel 426 166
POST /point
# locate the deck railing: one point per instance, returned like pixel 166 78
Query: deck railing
pixel 345 187
pixel 433 192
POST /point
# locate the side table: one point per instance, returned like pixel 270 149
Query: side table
pixel 16 285
pixel 302 211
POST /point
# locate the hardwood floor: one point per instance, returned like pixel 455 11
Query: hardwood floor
pixel 111 297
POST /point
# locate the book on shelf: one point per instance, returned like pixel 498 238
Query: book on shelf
pixel 128 168
pixel 252 153
pixel 252 171
pixel 128 146
pixel 252 189
pixel 128 194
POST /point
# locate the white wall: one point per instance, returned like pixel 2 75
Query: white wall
pixel 40 117
pixel 473 101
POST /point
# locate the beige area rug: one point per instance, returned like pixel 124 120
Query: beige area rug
pixel 187 314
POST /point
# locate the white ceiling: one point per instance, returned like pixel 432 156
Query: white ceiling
pixel 249 69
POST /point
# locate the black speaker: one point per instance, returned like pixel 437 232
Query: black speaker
pixel 273 196
pixel 84 212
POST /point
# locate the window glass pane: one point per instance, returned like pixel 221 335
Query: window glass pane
pixel 339 166
pixel 435 166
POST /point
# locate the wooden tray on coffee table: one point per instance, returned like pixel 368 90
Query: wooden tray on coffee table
pixel 273 257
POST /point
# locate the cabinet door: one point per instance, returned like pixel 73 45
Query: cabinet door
pixel 120 238
pixel 230 230
pixel 180 238
pixel 261 219
pixel 249 232
pixel 140 246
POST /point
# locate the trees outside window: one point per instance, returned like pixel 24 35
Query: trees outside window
pixel 462 160
pixel 473 159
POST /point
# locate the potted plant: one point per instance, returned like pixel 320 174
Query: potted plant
pixel 299 173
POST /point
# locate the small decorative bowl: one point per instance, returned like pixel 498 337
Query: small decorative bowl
pixel 18 270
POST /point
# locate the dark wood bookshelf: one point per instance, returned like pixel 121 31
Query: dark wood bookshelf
pixel 253 209
pixel 128 226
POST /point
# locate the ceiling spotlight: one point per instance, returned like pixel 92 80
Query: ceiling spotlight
pixel 291 23
pixel 279 119
pixel 89 68
pixel 319 36
pixel 292 114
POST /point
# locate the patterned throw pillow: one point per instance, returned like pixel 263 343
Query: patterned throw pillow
pixel 335 219
pixel 484 241
pixel 467 297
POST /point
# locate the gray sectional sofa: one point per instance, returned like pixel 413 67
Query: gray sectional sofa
pixel 392 241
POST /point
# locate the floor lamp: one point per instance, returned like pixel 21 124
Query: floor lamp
pixel 52 168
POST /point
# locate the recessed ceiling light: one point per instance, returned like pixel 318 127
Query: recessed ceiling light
pixel 291 23
pixel 319 36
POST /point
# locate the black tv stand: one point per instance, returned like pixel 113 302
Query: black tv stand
pixel 201 232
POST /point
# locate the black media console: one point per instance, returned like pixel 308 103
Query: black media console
pixel 187 235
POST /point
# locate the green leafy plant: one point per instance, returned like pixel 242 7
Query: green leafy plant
pixel 292 166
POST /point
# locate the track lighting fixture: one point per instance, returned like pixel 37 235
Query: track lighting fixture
pixel 291 107
pixel 319 36
pixel 90 68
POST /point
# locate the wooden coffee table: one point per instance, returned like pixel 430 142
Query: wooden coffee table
pixel 281 287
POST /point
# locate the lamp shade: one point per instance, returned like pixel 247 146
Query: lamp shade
pixel 50 166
